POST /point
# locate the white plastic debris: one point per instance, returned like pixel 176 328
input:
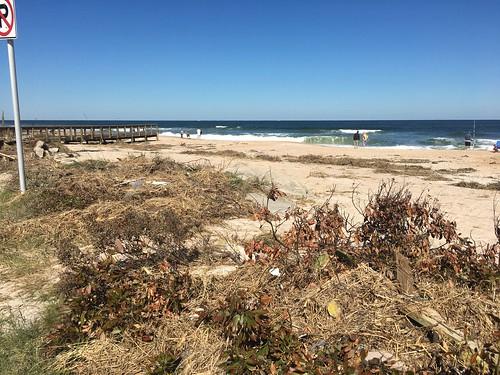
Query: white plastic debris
pixel 275 272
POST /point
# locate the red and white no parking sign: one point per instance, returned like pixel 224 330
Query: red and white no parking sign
pixel 7 20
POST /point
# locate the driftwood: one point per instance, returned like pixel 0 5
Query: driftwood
pixel 430 318
pixel 7 156
pixel 404 273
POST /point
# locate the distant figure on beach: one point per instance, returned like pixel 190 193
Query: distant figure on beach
pixel 198 132
pixel 468 140
pixel 182 133
pixel 365 138
pixel 355 138
pixel 496 147
pixel 188 135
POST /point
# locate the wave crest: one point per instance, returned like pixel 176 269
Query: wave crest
pixel 352 131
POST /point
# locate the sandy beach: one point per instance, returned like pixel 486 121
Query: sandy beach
pixel 309 180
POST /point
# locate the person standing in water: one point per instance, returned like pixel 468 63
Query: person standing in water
pixel 365 138
pixel 468 140
pixel 355 138
pixel 198 133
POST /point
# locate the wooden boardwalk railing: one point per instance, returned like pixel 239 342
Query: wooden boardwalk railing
pixel 85 133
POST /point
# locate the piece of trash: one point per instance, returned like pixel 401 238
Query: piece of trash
pixel 333 309
pixel 136 184
pixel 159 183
pixel 275 272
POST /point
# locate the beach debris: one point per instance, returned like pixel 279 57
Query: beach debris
pixel 129 181
pixel 238 251
pixel 222 270
pixel 275 272
pixel 41 149
pixel 8 157
pixel 119 294
pixel 429 318
pixel 376 358
pixel 404 273
pixel 333 309
pixel 159 183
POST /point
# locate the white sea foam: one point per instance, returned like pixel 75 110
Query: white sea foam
pixel 445 139
pixel 352 131
pixel 484 141
pixel 484 144
pixel 220 126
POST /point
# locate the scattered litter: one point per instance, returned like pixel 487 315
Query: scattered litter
pixel 275 272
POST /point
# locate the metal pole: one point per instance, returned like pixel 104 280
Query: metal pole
pixel 474 135
pixel 17 116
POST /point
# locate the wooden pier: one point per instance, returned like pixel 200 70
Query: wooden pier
pixel 85 133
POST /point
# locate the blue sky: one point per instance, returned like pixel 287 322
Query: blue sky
pixel 259 59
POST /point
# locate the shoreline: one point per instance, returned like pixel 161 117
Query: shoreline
pixel 333 147
pixel 484 144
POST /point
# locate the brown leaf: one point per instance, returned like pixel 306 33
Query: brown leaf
pixel 265 300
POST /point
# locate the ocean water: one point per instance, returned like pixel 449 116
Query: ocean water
pixel 439 134
pixel 443 134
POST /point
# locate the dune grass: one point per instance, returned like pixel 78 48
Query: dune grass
pixel 20 343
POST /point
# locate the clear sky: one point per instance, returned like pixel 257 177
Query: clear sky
pixel 256 59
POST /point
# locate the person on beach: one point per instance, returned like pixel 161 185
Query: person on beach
pixel 355 138
pixel 188 135
pixel 198 132
pixel 365 138
pixel 468 140
pixel 182 133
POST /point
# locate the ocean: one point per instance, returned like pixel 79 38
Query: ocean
pixel 412 134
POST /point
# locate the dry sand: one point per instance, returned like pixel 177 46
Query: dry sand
pixel 311 183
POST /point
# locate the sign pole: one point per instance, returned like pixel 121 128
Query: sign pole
pixel 17 116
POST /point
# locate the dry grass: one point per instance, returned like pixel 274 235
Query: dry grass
pixel 318 174
pixel 371 308
pixel 154 207
pixel 266 157
pixel 457 171
pixel 232 154
pixel 495 186
pixel 224 153
pixel 379 165
pixel 199 347
pixel 145 146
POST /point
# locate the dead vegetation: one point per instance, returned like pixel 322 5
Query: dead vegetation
pixel 224 153
pixel 457 171
pixel 320 297
pixel 266 157
pixel 393 168
pixel 476 185
pixel 233 154
pixel 318 174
